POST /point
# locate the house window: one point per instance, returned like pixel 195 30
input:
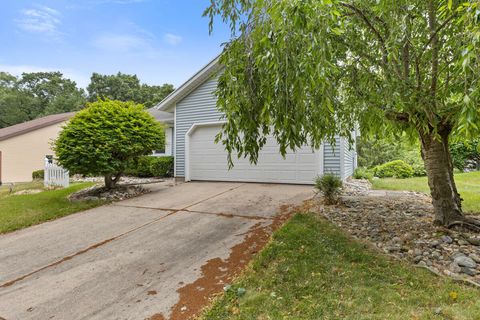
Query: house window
pixel 159 152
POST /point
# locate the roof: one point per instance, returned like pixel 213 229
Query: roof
pixel 190 85
pixel 22 128
pixel 161 116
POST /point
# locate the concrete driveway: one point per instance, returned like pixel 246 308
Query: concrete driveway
pixel 157 256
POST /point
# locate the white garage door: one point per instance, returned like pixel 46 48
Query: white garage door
pixel 208 161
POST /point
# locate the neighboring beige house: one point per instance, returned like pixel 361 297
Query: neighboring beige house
pixel 23 147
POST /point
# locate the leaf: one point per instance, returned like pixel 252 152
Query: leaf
pixel 450 2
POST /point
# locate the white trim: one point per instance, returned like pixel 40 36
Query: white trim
pixel 321 160
pixel 174 150
pixel 187 143
pixel 342 158
pixel 190 85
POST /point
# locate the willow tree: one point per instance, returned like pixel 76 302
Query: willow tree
pixel 305 70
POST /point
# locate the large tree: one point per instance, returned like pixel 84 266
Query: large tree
pixel 36 94
pixel 126 87
pixel 305 70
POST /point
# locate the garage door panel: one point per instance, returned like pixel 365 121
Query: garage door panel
pixel 208 161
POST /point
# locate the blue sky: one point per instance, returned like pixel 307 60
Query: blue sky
pixel 162 41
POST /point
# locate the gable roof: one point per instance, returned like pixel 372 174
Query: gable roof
pixel 190 85
pixel 22 128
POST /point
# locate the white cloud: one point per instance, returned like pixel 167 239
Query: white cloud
pixel 119 42
pixel 40 20
pixel 172 39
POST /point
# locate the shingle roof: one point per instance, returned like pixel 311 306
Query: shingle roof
pixel 32 125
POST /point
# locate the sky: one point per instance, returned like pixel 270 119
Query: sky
pixel 161 41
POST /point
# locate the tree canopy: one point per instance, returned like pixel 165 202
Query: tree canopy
pixel 125 87
pixel 307 70
pixel 37 94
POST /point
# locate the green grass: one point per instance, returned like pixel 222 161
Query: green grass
pixel 5 189
pixel 20 211
pixel 312 270
pixel 468 184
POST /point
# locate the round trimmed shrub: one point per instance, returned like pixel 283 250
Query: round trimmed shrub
pixel 394 169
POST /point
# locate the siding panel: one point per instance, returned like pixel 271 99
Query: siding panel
pixel 331 157
pixel 197 107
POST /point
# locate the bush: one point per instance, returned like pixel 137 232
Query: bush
pixel 395 169
pixel 330 186
pixel 38 174
pixel 362 173
pixel 106 137
pixel 150 166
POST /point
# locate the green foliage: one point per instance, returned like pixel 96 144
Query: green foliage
pixel 150 166
pixel 39 94
pixel 125 87
pixel 414 159
pixel 465 151
pixel 396 169
pixel 330 186
pixel 36 94
pixel 375 151
pixel 362 173
pixel 38 174
pixel 106 137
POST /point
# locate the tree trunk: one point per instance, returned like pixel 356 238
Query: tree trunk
pixel 438 164
pixel 111 180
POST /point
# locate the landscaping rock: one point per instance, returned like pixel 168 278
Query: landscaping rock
pixel 401 224
pixel 468 271
pixel 447 239
pixel 100 193
pixel 464 261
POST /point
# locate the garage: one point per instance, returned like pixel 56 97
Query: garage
pixel 206 160
pixel 197 120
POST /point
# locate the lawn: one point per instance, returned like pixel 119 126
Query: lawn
pixel 20 211
pixel 312 270
pixel 468 184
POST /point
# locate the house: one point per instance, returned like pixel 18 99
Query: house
pixel 198 157
pixel 23 146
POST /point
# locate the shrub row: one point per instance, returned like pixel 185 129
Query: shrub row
pixel 150 166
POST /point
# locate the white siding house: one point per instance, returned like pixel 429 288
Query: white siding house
pixel 197 121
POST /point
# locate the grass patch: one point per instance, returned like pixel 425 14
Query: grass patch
pixel 468 184
pixel 312 270
pixel 5 189
pixel 20 211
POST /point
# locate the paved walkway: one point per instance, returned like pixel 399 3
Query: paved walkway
pixel 127 260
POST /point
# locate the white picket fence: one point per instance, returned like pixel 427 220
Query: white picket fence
pixel 56 176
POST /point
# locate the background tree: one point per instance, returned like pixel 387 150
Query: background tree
pixel 125 87
pixel 36 94
pixel 307 70
pixel 104 138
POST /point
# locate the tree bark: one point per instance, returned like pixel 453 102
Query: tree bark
pixel 111 180
pixel 438 164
